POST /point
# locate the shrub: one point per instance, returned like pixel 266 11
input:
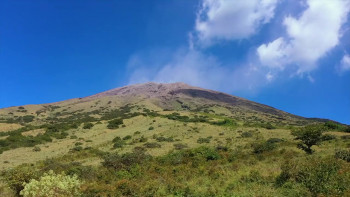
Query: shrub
pixel 125 161
pixel 27 118
pixel 164 139
pixel 180 146
pixel 332 125
pixel 143 139
pixel 345 137
pixel 203 140
pixel 327 137
pixel 274 140
pixel 128 137
pixel 261 147
pixel 88 125
pixel 5 190
pixel 19 175
pixel 268 126
pixel 150 128
pixel 36 149
pixel 114 124
pixel 320 176
pixel 118 142
pixel 343 154
pixel 309 135
pixel 76 149
pixel 52 185
pixel 247 134
pixel 152 145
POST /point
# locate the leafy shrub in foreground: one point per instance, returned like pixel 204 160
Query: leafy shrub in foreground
pixel 320 176
pixel 52 185
pixel 17 176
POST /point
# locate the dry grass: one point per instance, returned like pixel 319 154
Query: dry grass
pixel 4 127
pixel 34 132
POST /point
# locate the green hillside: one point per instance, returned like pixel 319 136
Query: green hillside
pixel 171 140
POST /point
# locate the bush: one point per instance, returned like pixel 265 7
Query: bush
pixel 180 146
pixel 19 175
pixel 125 161
pixel 203 140
pixel 247 134
pixel 268 126
pixel 52 185
pixel 114 124
pixel 259 148
pixel 332 125
pixel 152 145
pixel 118 142
pixel 128 137
pixel 36 149
pixel 150 128
pixel 88 125
pixel 5 190
pixel 143 139
pixel 194 156
pixel 27 118
pixel 274 140
pixel 345 137
pixel 320 176
pixel 164 139
pixel 77 149
pixel 328 137
pixel 343 154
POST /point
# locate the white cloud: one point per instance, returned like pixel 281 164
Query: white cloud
pixel 345 63
pixel 229 20
pixel 310 36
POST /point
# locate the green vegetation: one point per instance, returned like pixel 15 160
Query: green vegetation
pixel 52 185
pixel 114 124
pixel 88 125
pixel 309 136
pixel 143 150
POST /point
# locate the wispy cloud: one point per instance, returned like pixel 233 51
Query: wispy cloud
pixel 345 64
pixel 196 68
pixel 309 37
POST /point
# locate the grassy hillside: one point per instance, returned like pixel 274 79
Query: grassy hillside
pixel 136 142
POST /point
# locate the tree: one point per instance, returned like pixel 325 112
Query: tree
pixel 309 135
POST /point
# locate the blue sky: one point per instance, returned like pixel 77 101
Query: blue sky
pixel 284 53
